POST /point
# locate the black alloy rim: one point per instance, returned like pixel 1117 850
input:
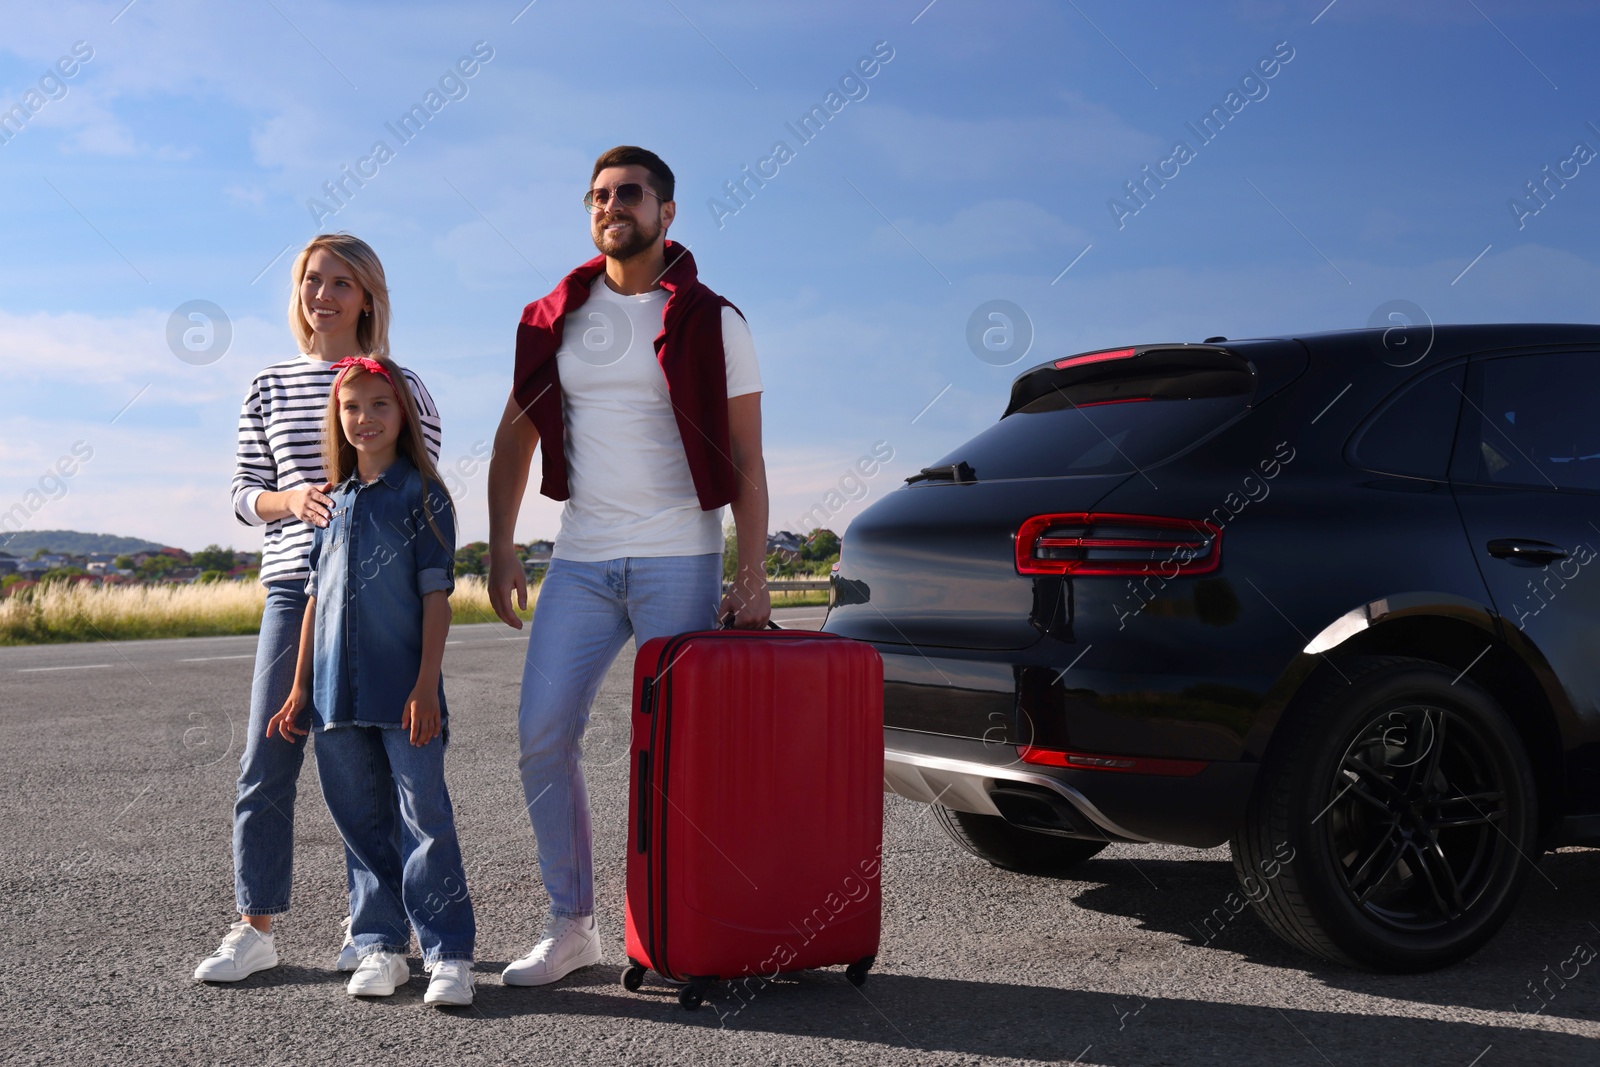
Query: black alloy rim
pixel 1415 817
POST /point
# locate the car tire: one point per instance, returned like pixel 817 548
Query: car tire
pixel 1012 848
pixel 1395 819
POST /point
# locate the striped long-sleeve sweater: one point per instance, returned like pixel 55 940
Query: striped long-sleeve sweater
pixel 280 448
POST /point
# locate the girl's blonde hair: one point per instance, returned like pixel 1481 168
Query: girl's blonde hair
pixel 339 455
pixel 372 330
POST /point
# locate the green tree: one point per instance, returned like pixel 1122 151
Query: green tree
pixel 730 553
pixel 213 558
pixel 123 563
pixel 156 566
pixel 820 546
pixel 207 577
pixel 470 558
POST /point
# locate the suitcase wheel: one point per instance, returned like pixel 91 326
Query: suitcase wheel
pixel 693 995
pixel 857 971
pixel 633 977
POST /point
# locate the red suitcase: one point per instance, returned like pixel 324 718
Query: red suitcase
pixel 756 807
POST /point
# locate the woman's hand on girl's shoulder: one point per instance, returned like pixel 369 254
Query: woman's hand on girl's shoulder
pixel 287 721
pixel 421 715
pixel 311 504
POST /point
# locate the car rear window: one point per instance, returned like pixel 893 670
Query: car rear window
pixel 1059 439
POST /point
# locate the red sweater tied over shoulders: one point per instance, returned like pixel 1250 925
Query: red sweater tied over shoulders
pixel 689 349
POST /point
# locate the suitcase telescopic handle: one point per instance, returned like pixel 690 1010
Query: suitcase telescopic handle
pixel 642 819
pixel 726 623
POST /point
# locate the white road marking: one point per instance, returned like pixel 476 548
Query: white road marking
pixel 74 667
pixel 208 659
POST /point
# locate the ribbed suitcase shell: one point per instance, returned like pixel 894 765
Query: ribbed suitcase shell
pixel 756 803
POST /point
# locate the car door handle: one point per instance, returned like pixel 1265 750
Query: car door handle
pixel 1540 552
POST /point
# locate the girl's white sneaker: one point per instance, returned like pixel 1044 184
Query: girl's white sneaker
pixel 379 974
pixel 451 984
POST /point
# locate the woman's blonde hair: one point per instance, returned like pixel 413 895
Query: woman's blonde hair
pixel 372 330
pixel 339 455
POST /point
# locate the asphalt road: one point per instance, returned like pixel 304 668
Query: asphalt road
pixel 118 764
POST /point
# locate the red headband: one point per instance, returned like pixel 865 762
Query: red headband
pixel 372 366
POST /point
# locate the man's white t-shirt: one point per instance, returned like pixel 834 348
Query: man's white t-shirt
pixel 631 491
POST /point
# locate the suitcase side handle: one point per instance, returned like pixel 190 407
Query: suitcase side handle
pixel 642 821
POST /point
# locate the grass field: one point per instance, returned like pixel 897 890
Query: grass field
pixel 81 612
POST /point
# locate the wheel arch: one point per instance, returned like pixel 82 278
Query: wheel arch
pixel 1456 633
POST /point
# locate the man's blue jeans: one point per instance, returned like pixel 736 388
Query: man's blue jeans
pixel 584 616
pixel 364 770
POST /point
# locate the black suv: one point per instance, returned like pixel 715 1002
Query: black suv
pixel 1328 597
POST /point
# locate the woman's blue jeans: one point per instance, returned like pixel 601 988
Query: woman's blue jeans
pixel 584 616
pixel 269 769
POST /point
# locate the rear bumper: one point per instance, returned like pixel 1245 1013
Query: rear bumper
pixel 1201 811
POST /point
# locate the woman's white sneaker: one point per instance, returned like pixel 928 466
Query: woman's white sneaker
pixel 379 974
pixel 565 945
pixel 244 951
pixel 349 958
pixel 451 984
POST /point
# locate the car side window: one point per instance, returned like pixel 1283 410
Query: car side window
pixel 1411 433
pixel 1533 420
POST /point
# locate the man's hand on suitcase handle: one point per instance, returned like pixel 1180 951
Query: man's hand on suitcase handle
pixel 748 605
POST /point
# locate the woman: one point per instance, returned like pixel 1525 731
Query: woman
pixel 339 308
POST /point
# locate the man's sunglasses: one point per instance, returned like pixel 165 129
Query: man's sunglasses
pixel 628 195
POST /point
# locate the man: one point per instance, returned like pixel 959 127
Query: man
pixel 642 385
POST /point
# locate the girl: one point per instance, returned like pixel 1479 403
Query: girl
pixel 376 618
pixel 338 307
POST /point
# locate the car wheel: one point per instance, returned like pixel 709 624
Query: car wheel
pixel 1012 848
pixel 1395 819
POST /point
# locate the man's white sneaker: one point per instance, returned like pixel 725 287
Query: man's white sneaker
pixel 451 984
pixel 379 974
pixel 565 945
pixel 243 952
pixel 349 958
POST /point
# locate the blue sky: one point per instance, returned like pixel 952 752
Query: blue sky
pixel 976 164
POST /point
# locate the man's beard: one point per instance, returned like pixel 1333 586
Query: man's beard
pixel 638 238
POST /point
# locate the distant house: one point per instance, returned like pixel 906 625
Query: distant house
pixel 98 566
pixel 8 565
pixel 181 574
pixel 32 566
pixel 536 557
pixel 16 587
pixel 51 560
pixel 785 545
pixel 176 553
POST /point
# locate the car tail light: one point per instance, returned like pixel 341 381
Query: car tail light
pixel 1078 543
pixel 1087 761
pixel 1095 357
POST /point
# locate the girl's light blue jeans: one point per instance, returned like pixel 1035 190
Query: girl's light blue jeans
pixel 367 774
pixel 584 616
